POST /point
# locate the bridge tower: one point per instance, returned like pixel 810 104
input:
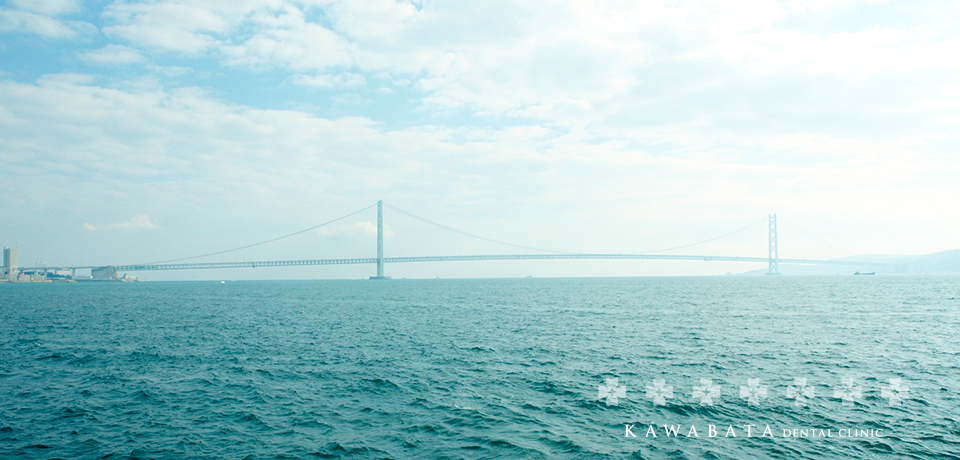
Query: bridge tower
pixel 774 253
pixel 379 243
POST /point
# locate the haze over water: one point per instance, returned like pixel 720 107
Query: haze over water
pixel 497 368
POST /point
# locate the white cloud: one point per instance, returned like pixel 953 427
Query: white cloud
pixel 138 222
pixel 39 17
pixel 47 7
pixel 347 80
pixel 24 21
pixel 114 54
pixel 565 62
pixel 169 71
pixel 846 54
pixel 186 27
pixel 290 42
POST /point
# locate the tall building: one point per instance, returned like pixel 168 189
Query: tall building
pixel 10 263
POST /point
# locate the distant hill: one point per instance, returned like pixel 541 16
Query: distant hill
pixel 937 262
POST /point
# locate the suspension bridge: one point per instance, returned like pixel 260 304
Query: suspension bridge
pixel 772 260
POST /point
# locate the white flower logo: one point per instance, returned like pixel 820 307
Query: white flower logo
pixel 706 392
pixel 753 392
pixel 847 391
pixel 658 392
pixel 894 392
pixel 799 392
pixel 611 392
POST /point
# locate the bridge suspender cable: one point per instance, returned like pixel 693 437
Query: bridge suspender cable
pixel 267 241
pixel 430 222
pixel 707 240
pixel 471 235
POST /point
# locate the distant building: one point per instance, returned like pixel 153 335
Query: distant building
pixel 10 264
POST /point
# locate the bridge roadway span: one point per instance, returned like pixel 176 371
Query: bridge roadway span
pixel 373 260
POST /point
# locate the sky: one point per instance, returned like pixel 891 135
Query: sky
pixel 140 131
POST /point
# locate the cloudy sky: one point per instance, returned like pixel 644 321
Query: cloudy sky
pixel 137 131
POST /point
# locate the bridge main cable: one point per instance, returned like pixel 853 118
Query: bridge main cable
pixel 262 242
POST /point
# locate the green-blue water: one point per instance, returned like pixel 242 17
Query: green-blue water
pixel 478 368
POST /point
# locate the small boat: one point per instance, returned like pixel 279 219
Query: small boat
pixel 865 273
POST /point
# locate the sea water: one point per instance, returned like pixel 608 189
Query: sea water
pixel 704 367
